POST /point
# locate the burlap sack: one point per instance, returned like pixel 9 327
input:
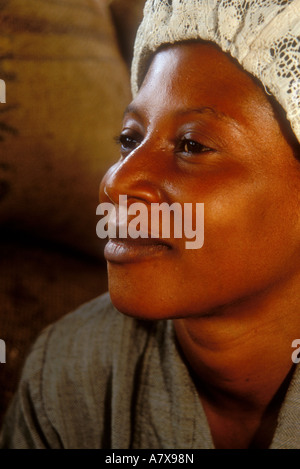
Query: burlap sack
pixel 67 87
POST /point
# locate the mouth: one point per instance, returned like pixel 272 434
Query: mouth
pixel 128 250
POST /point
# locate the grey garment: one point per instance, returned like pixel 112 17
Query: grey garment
pixel 99 379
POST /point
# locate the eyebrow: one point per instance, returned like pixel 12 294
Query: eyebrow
pixel 131 109
pixel 181 112
pixel 203 110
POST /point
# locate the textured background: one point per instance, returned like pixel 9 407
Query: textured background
pixel 66 67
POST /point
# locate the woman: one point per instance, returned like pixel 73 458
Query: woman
pixel 213 367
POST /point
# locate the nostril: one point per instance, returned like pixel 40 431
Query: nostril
pixel 145 191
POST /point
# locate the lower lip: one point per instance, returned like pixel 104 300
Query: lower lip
pixel 121 252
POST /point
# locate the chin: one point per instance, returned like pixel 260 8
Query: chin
pixel 150 305
pixel 139 292
pixel 140 308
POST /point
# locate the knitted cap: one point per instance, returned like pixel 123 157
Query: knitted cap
pixel 263 35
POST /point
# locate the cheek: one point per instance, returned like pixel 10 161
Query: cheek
pixel 251 235
pixel 252 230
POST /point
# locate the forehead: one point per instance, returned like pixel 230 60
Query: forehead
pixel 200 75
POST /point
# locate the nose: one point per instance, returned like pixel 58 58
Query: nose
pixel 138 177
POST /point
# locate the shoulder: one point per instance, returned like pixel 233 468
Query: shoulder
pixel 96 324
pixel 94 379
pixel 93 337
pixel 74 370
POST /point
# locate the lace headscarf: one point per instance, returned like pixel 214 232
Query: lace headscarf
pixel 263 35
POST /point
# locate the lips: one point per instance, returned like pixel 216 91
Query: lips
pixel 128 250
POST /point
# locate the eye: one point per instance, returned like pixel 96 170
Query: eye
pixel 127 142
pixel 192 147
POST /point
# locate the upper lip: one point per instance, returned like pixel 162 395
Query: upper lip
pixel 123 224
pixel 141 241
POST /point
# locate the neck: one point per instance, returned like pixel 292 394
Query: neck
pixel 241 354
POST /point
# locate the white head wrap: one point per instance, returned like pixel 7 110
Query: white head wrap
pixel 263 35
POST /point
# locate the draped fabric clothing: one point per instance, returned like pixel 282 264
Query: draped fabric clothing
pixel 99 379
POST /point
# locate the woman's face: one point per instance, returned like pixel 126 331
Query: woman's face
pixel 201 130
